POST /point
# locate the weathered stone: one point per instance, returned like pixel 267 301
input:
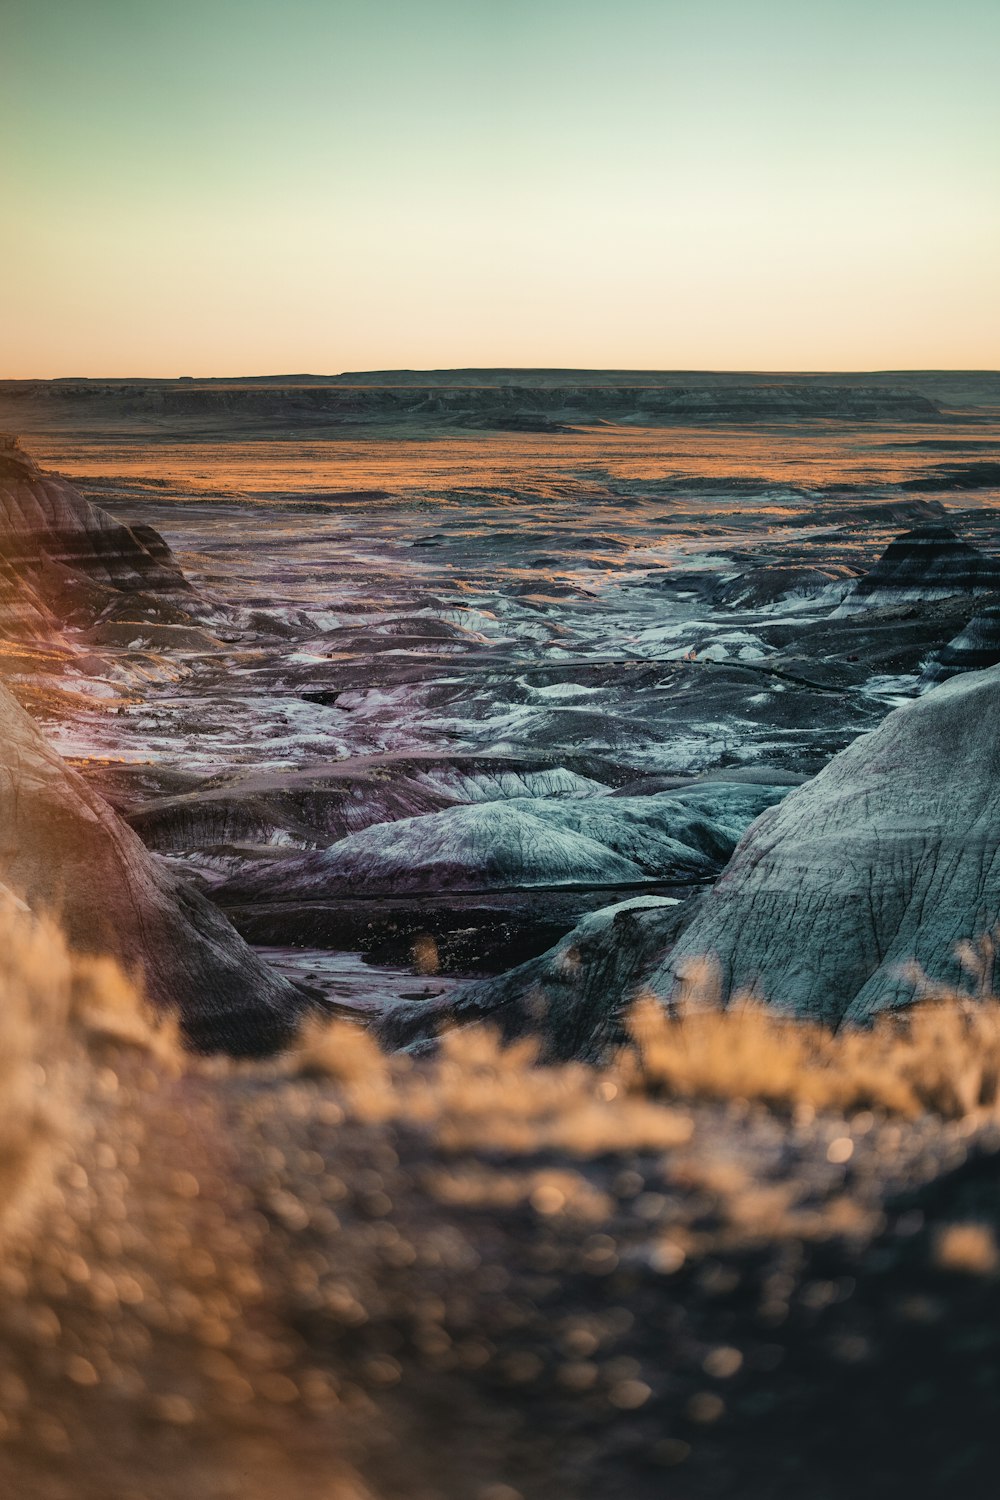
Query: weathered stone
pixel 973 649
pixel 64 851
pixel 63 558
pixel 890 856
pixel 926 563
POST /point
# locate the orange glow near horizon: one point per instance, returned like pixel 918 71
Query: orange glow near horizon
pixel 242 188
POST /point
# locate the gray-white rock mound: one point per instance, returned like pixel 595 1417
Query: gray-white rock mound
pixel 930 562
pixel 511 844
pixel 730 806
pixel 313 807
pixel 890 855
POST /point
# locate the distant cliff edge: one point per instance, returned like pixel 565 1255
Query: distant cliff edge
pixel 474 401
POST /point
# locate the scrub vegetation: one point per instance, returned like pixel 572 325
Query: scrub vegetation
pixel 362 1273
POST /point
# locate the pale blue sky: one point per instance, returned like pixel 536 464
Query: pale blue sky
pixel 237 186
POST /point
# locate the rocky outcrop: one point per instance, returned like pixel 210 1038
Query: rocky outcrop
pixel 890 855
pixel 64 560
pixel 316 806
pixel 305 809
pixel 65 851
pixel 518 843
pixel 930 562
pixel 65 563
pixel 848 648
pixel 759 588
pixel 572 997
pixel 972 650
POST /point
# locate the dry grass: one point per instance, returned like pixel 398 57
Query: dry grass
pixel 137 1358
pixel 478 1095
pixel 181 1207
pixel 56 1010
pixel 939 1057
pixel 967 1249
pixel 35 999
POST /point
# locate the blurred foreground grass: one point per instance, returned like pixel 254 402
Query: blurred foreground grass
pixel 746 1257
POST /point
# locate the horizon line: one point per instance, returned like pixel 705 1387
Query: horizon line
pixel 512 369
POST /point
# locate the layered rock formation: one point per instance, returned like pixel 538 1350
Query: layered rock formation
pixel 306 810
pixel 890 856
pixel 972 650
pixel 67 573
pixel 984 475
pixel 759 588
pixel 930 562
pixel 888 859
pixel 62 559
pixel 518 843
pixel 65 851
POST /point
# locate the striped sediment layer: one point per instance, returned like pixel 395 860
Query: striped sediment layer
pixel 928 562
pixel 972 650
pixel 62 559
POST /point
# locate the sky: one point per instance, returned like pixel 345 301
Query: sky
pixel 228 187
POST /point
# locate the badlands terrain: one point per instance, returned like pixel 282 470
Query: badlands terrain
pixel 435 691
pixel 410 701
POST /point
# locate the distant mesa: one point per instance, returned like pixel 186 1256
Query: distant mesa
pixel 930 562
pixel 972 650
pixel 525 401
